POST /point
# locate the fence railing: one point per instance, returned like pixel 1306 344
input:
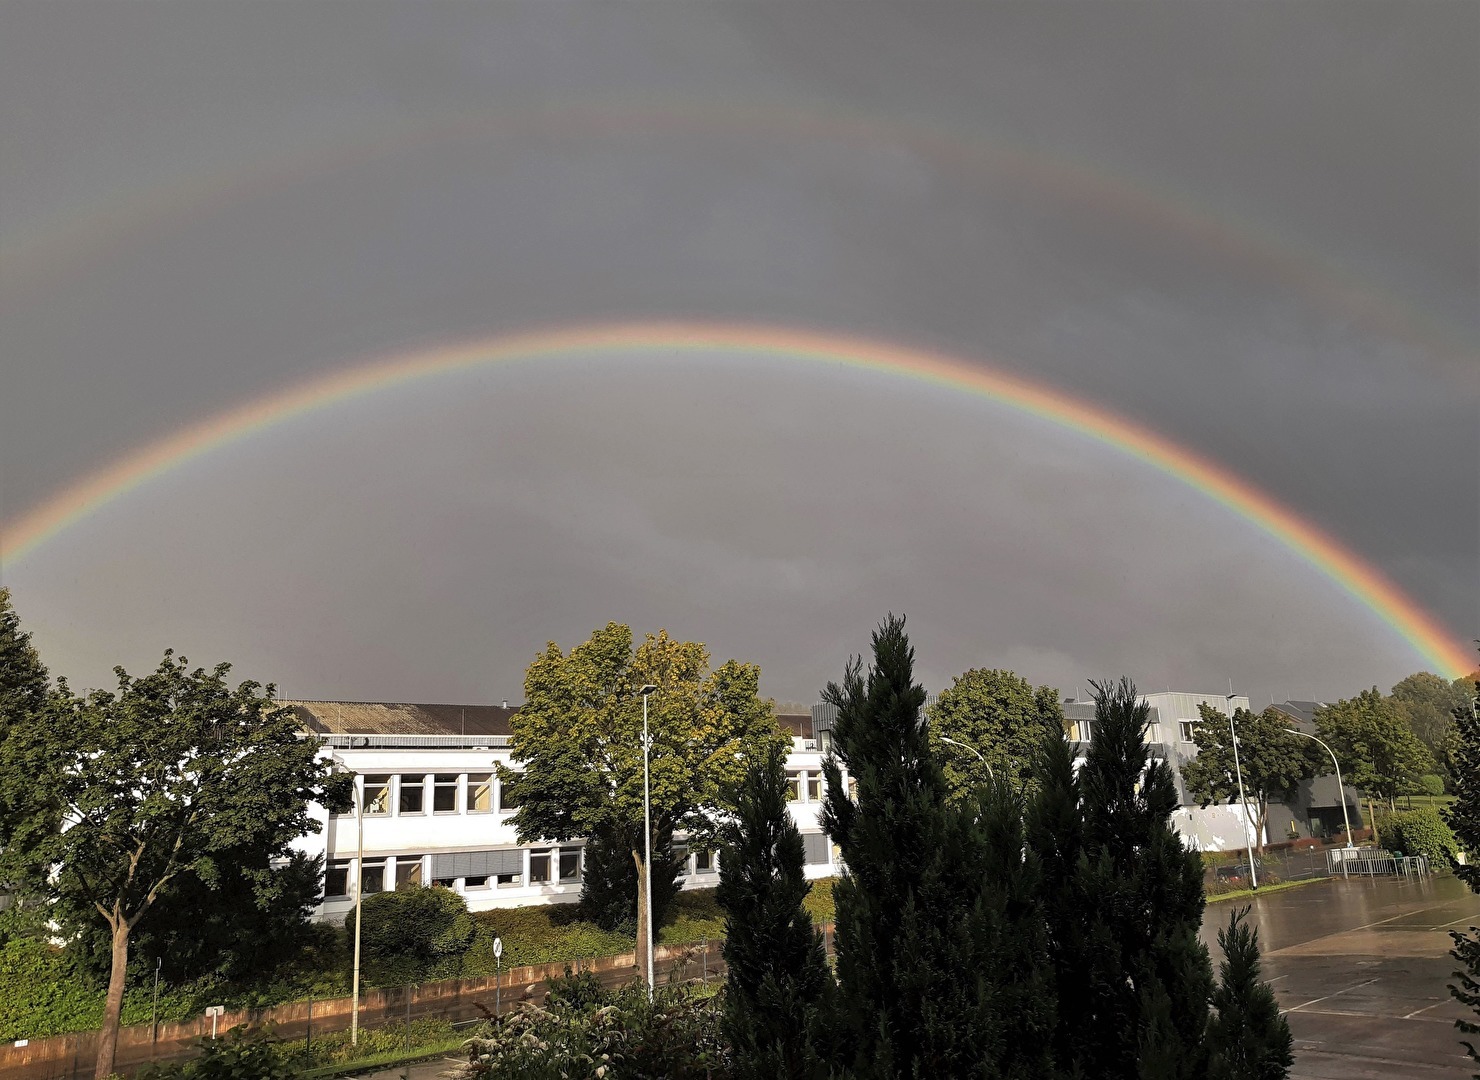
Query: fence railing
pixel 1372 862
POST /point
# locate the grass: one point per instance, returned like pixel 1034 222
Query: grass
pixel 384 1060
pixel 1266 889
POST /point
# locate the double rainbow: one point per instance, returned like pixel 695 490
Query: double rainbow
pixel 1354 575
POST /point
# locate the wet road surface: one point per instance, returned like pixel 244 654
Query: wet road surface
pixel 1362 970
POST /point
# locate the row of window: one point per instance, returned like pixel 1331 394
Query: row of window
pixel 804 787
pixel 448 793
pixel 458 870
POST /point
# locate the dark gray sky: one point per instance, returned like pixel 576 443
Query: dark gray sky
pixel 1250 227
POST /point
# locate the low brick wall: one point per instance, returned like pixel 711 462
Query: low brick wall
pixel 452 999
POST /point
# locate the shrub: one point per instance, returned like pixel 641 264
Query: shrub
pixel 538 935
pixel 693 916
pixel 243 1053
pixel 1419 832
pixel 412 935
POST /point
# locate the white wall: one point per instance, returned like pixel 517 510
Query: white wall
pixel 401 838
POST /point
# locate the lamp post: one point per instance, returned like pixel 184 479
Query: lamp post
pixel 1340 788
pixel 647 839
pixel 1239 773
pixel 974 750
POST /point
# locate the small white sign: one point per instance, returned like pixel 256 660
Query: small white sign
pixel 215 1010
pixel 23 1042
pixel 498 947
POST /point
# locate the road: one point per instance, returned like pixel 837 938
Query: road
pixel 1361 969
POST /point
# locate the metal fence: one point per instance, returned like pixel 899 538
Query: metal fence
pixel 1374 862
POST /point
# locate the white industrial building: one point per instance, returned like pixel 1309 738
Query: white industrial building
pixel 435 812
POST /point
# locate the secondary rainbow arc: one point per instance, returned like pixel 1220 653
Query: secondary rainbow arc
pixel 1354 575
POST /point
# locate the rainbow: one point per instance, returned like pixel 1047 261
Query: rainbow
pixel 1354 575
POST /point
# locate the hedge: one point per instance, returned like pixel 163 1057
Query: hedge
pixel 1419 832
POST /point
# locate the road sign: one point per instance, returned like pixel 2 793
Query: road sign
pixel 214 1011
pixel 498 947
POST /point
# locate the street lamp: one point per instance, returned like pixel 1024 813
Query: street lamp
pixel 354 1016
pixel 647 838
pixel 1340 788
pixel 1239 772
pixel 974 750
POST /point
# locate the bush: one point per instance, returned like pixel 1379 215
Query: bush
pixel 693 916
pixel 240 1055
pixel 412 935
pixel 589 1032
pixel 1419 832
pixel 538 935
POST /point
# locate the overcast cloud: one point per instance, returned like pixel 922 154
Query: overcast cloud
pixel 1249 227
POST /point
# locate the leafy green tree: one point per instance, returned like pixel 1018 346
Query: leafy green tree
pixel 941 949
pixel 1273 762
pixel 1248 1037
pixel 579 740
pixel 610 882
pixel 1002 717
pixel 159 781
pixel 412 934
pixel 1379 754
pixel 778 982
pixel 1464 818
pixel 1429 702
pixel 1124 903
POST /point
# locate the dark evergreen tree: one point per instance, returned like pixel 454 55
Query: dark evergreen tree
pixel 609 878
pixel 941 957
pixel 1125 903
pixel 25 696
pixel 778 984
pixel 1464 819
pixel 1248 1038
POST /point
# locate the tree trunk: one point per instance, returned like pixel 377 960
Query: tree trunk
pixel 641 915
pixel 113 1006
pixel 1261 825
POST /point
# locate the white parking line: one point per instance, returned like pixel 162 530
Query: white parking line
pixel 1426 1008
pixel 1328 997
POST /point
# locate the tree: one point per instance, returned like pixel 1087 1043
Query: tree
pixel 1428 702
pixel 1379 754
pixel 25 697
pixel 1464 818
pixel 1124 903
pixel 1002 717
pixel 160 781
pixel 778 983
pixel 1248 1037
pixel 609 882
pixel 940 940
pixel 1272 761
pixel 579 740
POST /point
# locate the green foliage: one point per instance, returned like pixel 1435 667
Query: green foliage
pixel 1273 762
pixel 1378 751
pixel 389 1039
pixel 412 935
pixel 241 1055
pixel 615 1036
pixel 939 939
pixel 1466 989
pixel 778 986
pixel 43 994
pixel 1248 1038
pixel 1428 703
pixel 537 935
pixel 1123 901
pixel 695 915
pixel 579 739
pixel 1419 832
pixel 1002 717
pixel 609 883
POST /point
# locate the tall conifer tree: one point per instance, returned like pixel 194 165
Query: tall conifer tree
pixel 1464 818
pixel 779 983
pixel 1125 903
pixel 940 944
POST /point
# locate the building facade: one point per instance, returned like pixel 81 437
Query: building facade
pixel 433 811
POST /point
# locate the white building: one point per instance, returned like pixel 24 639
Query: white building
pixel 436 813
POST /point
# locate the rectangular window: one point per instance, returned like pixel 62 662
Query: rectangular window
pixel 336 879
pixel 852 789
pixel 408 872
pixel 444 793
pixel 480 793
pixel 539 867
pixel 506 798
pixel 413 798
pixel 815 848
pixel 814 787
pixel 1186 726
pixel 704 862
pixel 372 877
pixel 377 795
pixel 793 787
pixel 570 864
pixel 505 880
pixel 478 882
pixel 444 882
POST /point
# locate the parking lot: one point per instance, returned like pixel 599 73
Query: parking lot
pixel 1362 968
